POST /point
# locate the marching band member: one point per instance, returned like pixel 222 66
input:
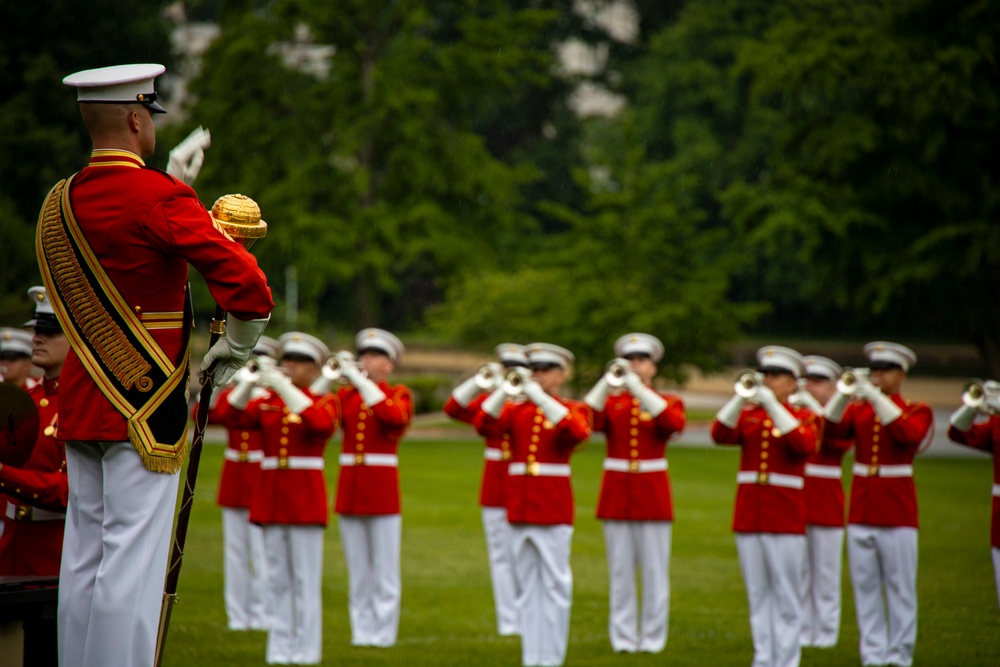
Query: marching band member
pixel 245 565
pixel 34 508
pixel 129 233
pixel 290 501
pixel 15 357
pixel 375 415
pixel 463 405
pixel 635 504
pixel 770 513
pixel 984 436
pixel 543 431
pixel 882 520
pixel 824 493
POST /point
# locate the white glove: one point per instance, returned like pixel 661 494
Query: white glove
pixel 963 418
pixel 186 158
pixel 808 401
pixel 370 393
pixel 729 414
pixel 833 411
pixel 295 399
pixel 239 397
pixel 885 409
pixel 553 409
pixel 784 421
pixel 321 385
pixel 493 405
pixel 465 392
pixel 597 397
pixel 233 351
pixel 653 402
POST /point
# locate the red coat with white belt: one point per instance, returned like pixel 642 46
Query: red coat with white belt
pixel 535 441
pixel 145 227
pixel 497 453
pixel 368 487
pixel 824 483
pixel 986 437
pixel 635 439
pixel 878 500
pixel 241 458
pixel 764 505
pixel 292 485
pixel 33 502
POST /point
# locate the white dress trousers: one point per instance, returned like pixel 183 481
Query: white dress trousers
pixel 822 570
pixel 772 571
pixel 497 532
pixel 545 581
pixel 244 571
pixel 371 549
pixel 295 590
pixel 642 545
pixel 883 562
pixel 115 551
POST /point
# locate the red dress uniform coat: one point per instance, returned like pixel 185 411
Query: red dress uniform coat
pixel 825 495
pixel 876 500
pixel 497 453
pixel 540 499
pixel 241 465
pixel 633 436
pixel 287 494
pixel 372 489
pixel 765 507
pixel 986 437
pixel 30 546
pixel 144 227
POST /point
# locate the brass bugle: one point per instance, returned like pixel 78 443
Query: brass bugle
pixel 617 372
pixel 748 382
pixel 513 382
pixel 333 369
pixel 488 376
pixel 850 379
pixel 982 395
pixel 259 362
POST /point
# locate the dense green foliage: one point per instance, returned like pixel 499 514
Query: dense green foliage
pixel 812 168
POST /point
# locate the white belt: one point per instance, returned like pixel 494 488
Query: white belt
pixel 362 459
pixel 535 469
pixel 493 454
pixel 236 456
pixel 292 463
pixel 828 472
pixel 30 513
pixel 996 490
pixel 874 470
pixel 635 465
pixel 770 479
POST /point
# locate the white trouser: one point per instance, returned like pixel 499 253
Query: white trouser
pixel 115 550
pixel 295 593
pixel 501 569
pixel 883 561
pixel 245 572
pixel 996 568
pixel 772 571
pixel 821 573
pixel 645 544
pixel 371 549
pixel 545 584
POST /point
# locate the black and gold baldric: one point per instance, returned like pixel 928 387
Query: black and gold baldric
pixel 121 356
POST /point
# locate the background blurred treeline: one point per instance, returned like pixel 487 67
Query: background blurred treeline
pixel 813 169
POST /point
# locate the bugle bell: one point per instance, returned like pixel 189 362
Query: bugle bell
pixel 982 395
pixel 256 364
pixel 489 376
pixel 333 369
pixel 851 379
pixel 514 381
pixel 748 383
pixel 617 372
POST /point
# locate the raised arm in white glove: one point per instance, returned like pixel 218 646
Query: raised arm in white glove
pixel 597 397
pixel 465 392
pixel 553 409
pixel 885 409
pixel 246 380
pixel 370 392
pixel 963 418
pixel 784 421
pixel 653 402
pixel 233 351
pixel 808 401
pixel 493 405
pixel 186 158
pixel 295 399
pixel 729 414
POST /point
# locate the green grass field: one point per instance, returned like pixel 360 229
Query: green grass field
pixel 447 615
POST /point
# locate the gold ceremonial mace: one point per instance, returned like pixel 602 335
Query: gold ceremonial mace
pixel 239 217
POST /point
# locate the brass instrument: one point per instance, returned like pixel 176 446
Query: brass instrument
pixel 982 395
pixel 333 369
pixel 748 383
pixel 617 372
pixel 256 364
pixel 514 381
pixel 851 379
pixel 489 376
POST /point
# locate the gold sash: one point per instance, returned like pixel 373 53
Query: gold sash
pixel 118 352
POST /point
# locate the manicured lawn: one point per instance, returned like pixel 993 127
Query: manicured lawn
pixel 447 616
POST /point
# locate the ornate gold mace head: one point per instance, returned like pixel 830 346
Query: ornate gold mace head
pixel 239 216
